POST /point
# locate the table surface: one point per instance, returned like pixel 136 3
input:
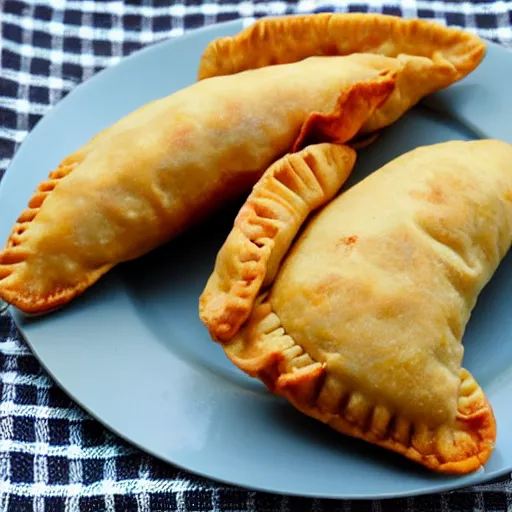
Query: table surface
pixel 53 455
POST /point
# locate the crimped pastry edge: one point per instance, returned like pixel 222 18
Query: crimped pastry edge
pixel 264 350
pixel 461 48
pixel 15 253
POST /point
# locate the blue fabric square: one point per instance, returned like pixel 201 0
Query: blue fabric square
pixel 24 429
pixel 92 470
pixel 22 467
pixel 58 470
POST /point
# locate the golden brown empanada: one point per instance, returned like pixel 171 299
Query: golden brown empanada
pixel 170 163
pixel 361 325
pixel 280 202
pixel 444 54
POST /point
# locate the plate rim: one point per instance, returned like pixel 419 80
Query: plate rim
pixel 17 316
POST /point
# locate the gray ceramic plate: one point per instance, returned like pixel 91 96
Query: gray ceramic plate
pixel 133 352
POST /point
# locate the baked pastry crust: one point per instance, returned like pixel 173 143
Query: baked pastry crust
pixel 289 191
pixel 167 165
pixel 284 39
pixel 265 350
pixel 164 167
pixel 361 325
pixel 425 48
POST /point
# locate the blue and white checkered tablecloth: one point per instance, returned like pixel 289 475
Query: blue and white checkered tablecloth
pixel 53 456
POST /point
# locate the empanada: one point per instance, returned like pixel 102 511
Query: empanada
pixel 170 163
pixel 445 54
pixel 361 325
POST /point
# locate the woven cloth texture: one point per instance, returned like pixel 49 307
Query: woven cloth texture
pixel 53 455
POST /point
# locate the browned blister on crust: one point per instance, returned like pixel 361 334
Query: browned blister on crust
pixel 361 325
